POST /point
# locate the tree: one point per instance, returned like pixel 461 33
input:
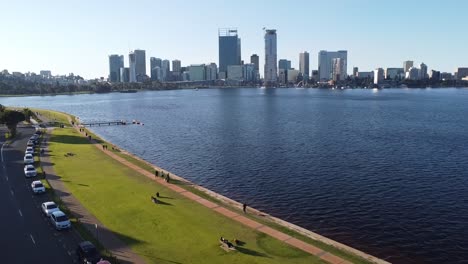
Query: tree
pixel 11 118
pixel 28 114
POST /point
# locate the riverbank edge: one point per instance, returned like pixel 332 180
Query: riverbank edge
pixel 223 200
pixel 265 216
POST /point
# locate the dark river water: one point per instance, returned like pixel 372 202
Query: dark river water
pixel 383 171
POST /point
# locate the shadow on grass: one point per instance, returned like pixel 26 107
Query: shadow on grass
pixel 165 197
pixel 67 139
pixel 252 252
pixel 162 202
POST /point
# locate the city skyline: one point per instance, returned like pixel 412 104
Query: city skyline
pixel 79 43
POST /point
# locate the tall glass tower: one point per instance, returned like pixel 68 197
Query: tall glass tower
pixel 229 49
pixel 271 68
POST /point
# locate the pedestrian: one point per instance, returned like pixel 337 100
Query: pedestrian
pixel 157 194
pixel 103 147
pixel 155 173
pixel 244 208
pixel 168 179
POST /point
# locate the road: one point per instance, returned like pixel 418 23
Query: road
pixel 26 234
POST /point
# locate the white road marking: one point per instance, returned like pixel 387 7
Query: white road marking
pixel 19 211
pixel 32 239
pixel 2 151
pixel 12 193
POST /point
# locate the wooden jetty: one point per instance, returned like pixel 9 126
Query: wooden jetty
pixel 105 123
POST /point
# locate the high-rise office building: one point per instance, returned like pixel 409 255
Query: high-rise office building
pixel 461 73
pixel 412 74
pixel 434 75
pixel 271 60
pixel 423 71
pixel 165 68
pixel 229 48
pixel 378 75
pixel 394 73
pixel 137 59
pixel 284 64
pixel 155 74
pixel 124 74
pixel 212 71
pixel 254 59
pixel 176 66
pixel 407 65
pixel 325 63
pixel 304 64
pixel 115 63
pixel 355 71
pixel 235 72
pixel 197 72
pixel 338 69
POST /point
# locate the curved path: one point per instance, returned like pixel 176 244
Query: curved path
pixel 322 254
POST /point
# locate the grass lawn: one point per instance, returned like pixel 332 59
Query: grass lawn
pixel 178 231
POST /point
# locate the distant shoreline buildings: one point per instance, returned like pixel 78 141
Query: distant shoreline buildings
pixel 231 70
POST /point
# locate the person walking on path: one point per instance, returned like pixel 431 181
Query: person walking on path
pixel 244 208
pixel 168 179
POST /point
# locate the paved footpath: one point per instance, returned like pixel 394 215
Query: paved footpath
pixel 105 236
pixel 324 255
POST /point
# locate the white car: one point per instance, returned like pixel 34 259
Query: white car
pixel 30 171
pixel 28 159
pixel 59 220
pixel 37 187
pixel 29 150
pixel 49 207
pixel 30 143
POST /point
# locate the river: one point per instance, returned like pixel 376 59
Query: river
pixel 384 171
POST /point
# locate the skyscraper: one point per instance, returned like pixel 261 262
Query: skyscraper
pixel 229 49
pixel 325 63
pixel 137 59
pixel 284 64
pixel 176 66
pixel 271 70
pixel 378 75
pixel 155 73
pixel 115 63
pixel 338 69
pixel 124 75
pixel 355 71
pixel 255 60
pixel 165 68
pixel 304 64
pixel 407 65
pixel 211 71
pixel 423 71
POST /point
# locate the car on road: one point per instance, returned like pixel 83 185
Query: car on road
pixel 60 220
pixel 37 187
pixel 30 144
pixel 88 253
pixel 49 207
pixel 28 159
pixel 30 171
pixel 34 139
pixel 29 150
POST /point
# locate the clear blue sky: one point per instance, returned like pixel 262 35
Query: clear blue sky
pixel 77 36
